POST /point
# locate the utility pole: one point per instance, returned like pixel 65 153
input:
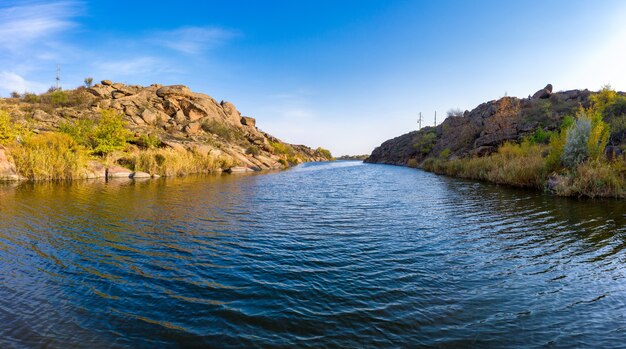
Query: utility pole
pixel 435 118
pixel 419 121
pixel 58 76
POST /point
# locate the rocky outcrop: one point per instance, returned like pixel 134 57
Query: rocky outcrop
pixel 248 121
pixel 544 93
pixel 7 168
pixel 178 117
pixel 480 131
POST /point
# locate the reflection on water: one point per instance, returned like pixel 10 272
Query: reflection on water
pixel 334 254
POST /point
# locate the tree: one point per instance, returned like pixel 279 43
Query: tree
pixel 88 82
pixel 454 112
pixel 110 133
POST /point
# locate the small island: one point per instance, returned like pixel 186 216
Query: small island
pixel 353 157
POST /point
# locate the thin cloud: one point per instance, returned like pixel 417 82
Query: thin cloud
pixel 133 67
pixel 192 40
pixel 21 26
pixel 10 81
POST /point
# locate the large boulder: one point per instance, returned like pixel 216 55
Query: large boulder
pixel 102 91
pixel 248 121
pixel 41 115
pixel 7 168
pixel 118 172
pixel 232 114
pixel 543 93
pixel 149 116
pixel 174 90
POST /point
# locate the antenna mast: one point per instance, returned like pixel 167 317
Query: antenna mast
pixel 435 118
pixel 58 75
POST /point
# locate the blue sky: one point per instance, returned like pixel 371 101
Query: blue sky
pixel 345 75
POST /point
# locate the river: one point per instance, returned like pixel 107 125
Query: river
pixel 339 254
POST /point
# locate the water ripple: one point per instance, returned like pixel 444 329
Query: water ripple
pixel 324 255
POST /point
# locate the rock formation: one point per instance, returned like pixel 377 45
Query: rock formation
pixel 480 131
pixel 180 118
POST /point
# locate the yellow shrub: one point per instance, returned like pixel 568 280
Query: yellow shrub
pixel 10 132
pixel 170 162
pixel 50 156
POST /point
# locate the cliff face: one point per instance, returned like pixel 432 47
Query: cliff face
pixel 481 130
pixel 178 117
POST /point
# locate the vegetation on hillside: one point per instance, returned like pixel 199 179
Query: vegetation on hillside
pixel 72 134
pixel 572 163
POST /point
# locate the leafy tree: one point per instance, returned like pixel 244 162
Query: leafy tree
pixel 88 82
pixel 82 131
pixel 110 134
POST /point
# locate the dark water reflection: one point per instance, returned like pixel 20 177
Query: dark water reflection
pixel 323 255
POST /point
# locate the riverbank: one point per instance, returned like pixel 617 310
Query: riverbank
pixel 115 130
pixel 570 143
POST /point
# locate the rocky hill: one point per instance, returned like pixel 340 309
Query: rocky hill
pixel 480 131
pixel 172 117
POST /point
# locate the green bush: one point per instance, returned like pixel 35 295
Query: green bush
pixel 102 136
pixel 253 150
pixel 425 142
pixel 149 141
pixel 81 131
pixel 325 153
pixel 444 154
pixel 540 136
pixel 557 143
pixel 59 98
pixel 220 129
pixel 110 134
pixel 282 149
pixel 30 97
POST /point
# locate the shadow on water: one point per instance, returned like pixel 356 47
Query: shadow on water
pixel 327 254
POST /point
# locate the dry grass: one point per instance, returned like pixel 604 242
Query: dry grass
pixel 50 156
pixel 170 162
pixel 595 179
pixel 523 165
pixel 520 165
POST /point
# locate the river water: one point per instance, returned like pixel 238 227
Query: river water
pixel 322 255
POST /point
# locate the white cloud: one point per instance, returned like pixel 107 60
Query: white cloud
pixel 192 40
pixel 21 26
pixel 10 81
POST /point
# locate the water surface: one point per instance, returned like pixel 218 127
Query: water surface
pixel 323 255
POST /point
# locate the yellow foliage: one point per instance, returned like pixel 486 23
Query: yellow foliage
pixel 605 97
pixel 11 132
pixel 50 156
pixel 170 162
